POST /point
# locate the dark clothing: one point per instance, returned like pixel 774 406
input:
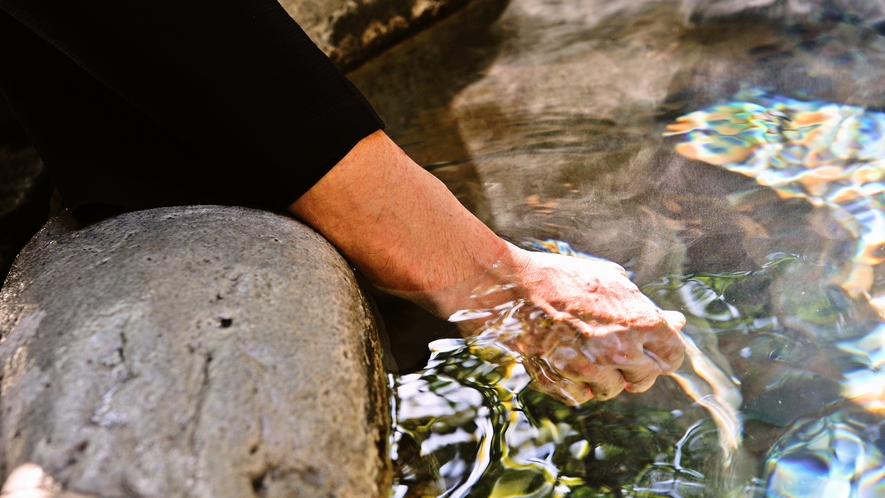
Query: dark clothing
pixel 147 103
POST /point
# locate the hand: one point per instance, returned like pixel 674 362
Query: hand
pixel 379 208
pixel 585 330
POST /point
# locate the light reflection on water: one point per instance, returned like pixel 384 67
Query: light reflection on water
pixel 483 430
pixel 765 228
pixel 827 154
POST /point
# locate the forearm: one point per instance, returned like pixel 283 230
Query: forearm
pixel 407 234
pixel 400 226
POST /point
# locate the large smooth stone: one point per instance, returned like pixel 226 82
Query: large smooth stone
pixel 194 351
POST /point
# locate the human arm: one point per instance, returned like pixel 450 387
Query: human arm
pixel 408 235
pixel 261 116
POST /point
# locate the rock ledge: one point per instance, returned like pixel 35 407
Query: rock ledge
pixel 196 351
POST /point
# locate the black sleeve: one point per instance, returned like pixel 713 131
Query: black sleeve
pixel 143 103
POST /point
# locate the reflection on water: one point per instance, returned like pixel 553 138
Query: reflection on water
pixel 478 421
pixel 828 154
pixel 760 217
pixel 469 426
pixel 837 455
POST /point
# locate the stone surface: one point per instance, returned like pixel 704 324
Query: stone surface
pixel 198 351
pixel 351 32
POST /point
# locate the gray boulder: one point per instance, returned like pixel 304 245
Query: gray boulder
pixel 195 352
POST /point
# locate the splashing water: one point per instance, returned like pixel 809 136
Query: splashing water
pixel 700 377
pixel 470 426
pixel 475 428
pixel 829 154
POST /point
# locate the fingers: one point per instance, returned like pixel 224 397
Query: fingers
pixel 618 365
pixel 609 358
pixel 547 381
pixel 642 376
pixel 607 384
pixel 665 346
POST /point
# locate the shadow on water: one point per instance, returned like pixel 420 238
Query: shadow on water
pixel 549 123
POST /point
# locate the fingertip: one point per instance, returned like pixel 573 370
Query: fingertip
pixel 639 387
pixel 674 318
pixel 605 393
pixel 677 363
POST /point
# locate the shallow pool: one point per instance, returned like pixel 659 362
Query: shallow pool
pixel 732 159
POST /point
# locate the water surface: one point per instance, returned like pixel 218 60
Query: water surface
pixel 730 163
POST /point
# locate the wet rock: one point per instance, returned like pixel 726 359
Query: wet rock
pixel 352 32
pixel 198 351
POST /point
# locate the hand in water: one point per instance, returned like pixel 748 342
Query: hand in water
pixel 583 328
pixel 378 208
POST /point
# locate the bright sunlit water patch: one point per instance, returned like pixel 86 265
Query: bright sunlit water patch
pixel 777 347
pixel 837 456
pixel 759 216
pixel 829 154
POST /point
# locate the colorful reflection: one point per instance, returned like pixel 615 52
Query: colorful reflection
pixel 779 352
pixel 486 420
pixel 837 456
pixel 831 155
pixel 469 425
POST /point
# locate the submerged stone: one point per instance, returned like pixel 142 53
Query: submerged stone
pixel 192 351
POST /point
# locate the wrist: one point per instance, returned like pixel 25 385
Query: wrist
pixel 401 227
pixel 491 284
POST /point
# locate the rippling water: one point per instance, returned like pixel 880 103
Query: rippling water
pixel 730 154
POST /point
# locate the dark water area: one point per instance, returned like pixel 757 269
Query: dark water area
pixel 732 159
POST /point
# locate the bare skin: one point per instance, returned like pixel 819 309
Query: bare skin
pixel 404 230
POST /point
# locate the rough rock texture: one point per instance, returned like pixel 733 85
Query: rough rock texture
pixel 200 351
pixel 351 32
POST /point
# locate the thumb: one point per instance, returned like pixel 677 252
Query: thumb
pixel 674 318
